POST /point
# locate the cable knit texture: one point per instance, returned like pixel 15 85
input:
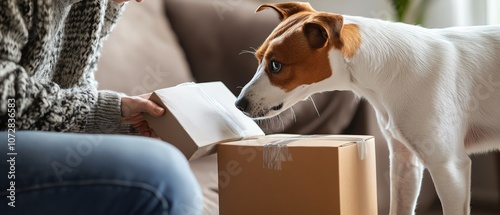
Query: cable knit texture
pixel 49 51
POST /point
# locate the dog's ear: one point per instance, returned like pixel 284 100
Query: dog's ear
pixel 287 9
pixel 324 28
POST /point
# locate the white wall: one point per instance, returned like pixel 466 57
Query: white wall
pixel 441 13
pixel 445 13
pixel 493 11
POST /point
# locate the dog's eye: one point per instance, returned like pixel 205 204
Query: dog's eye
pixel 275 67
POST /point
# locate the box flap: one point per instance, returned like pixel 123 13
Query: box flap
pixel 199 116
pixel 207 112
pixel 165 130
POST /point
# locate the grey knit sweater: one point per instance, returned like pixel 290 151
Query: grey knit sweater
pixel 48 55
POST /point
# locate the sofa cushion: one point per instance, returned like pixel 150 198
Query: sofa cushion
pixel 142 54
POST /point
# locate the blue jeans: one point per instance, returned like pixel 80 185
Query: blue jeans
pixel 61 173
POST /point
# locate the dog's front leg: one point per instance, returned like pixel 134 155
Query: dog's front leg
pixel 406 178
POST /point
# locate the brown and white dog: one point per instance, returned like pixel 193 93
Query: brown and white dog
pixel 436 92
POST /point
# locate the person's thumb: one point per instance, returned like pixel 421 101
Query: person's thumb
pixel 152 108
pixel 133 105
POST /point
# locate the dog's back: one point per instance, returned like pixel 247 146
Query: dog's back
pixel 447 77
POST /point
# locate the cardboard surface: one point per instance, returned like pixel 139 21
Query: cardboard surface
pixel 198 117
pixel 325 176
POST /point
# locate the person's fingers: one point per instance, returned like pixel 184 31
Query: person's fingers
pixel 133 119
pixel 157 110
pixel 143 129
pixel 141 125
pixel 152 108
pixel 134 105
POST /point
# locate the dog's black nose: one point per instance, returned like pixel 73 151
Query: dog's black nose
pixel 242 104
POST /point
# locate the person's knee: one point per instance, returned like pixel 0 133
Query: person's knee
pixel 174 179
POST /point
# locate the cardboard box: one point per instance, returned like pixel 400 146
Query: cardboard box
pixel 198 117
pixel 291 174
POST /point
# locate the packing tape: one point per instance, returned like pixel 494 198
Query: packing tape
pixel 221 110
pixel 276 152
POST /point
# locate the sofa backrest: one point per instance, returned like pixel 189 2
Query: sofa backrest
pixel 214 33
pixel 142 53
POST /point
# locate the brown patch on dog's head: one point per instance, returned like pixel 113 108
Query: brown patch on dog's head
pixel 301 42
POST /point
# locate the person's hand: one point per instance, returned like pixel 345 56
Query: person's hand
pixel 133 106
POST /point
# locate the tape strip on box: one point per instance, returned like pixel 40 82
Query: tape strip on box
pixel 276 152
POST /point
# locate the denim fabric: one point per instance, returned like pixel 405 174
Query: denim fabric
pixel 62 173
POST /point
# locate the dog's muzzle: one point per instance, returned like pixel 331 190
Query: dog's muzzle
pixel 242 105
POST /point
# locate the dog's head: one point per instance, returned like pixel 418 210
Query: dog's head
pixel 295 61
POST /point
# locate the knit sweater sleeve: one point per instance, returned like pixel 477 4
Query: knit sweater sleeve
pixel 40 104
pixel 106 116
